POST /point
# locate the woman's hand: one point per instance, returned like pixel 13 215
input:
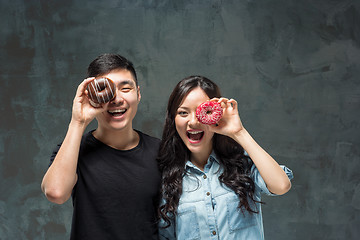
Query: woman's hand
pixel 82 111
pixel 230 124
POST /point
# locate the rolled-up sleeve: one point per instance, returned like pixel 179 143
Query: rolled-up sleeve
pixel 260 183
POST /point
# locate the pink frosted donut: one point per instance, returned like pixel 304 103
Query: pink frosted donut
pixel 209 112
pixel 101 90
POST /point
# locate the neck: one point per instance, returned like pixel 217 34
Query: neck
pixel 200 159
pixel 124 139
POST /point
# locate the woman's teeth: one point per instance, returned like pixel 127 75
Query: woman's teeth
pixel 195 132
pixel 195 135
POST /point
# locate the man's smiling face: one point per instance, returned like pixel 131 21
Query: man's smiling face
pixel 119 112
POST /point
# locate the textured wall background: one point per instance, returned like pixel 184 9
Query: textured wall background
pixel 293 66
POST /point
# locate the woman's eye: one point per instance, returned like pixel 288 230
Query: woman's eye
pixel 182 113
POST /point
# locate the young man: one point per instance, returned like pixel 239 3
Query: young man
pixel 110 172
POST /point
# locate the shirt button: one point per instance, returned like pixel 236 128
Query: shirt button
pixel 204 176
pixel 213 232
pixel 208 193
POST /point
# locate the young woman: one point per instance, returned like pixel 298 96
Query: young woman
pixel 211 187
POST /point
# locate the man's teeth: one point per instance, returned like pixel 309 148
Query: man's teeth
pixel 117 111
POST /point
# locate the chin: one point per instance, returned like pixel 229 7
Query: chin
pixel 118 126
pixel 194 149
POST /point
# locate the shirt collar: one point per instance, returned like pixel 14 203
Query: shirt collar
pixel 212 158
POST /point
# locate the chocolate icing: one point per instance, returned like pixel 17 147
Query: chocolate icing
pixel 101 90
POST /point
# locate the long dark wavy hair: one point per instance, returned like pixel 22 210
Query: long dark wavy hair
pixel 173 155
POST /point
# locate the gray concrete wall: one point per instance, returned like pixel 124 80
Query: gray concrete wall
pixel 293 66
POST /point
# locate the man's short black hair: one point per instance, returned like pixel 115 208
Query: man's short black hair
pixel 108 62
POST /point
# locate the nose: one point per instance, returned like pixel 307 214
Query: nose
pixel 118 99
pixel 193 121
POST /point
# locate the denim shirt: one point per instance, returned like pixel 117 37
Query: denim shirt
pixel 209 210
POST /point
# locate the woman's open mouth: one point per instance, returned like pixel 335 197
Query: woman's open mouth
pixel 195 136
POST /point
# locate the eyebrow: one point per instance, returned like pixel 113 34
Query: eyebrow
pixel 185 108
pixel 127 81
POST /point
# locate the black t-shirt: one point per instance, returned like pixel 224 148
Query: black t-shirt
pixel 116 194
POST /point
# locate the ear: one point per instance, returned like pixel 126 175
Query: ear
pixel 138 93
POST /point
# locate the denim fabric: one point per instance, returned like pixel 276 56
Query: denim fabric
pixel 209 210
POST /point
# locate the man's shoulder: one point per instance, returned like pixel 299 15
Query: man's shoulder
pixel 148 138
pixel 88 139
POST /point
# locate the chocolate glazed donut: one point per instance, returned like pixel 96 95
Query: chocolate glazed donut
pixel 101 90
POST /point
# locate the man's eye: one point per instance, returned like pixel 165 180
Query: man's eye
pixel 125 89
